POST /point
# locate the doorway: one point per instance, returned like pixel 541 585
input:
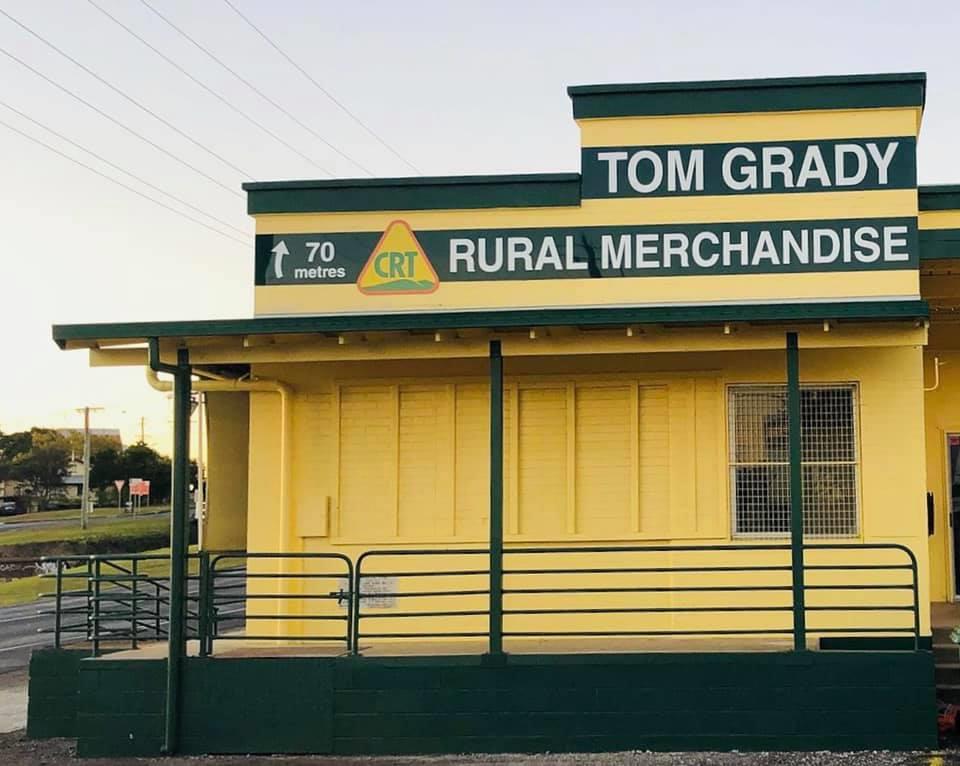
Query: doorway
pixel 953 509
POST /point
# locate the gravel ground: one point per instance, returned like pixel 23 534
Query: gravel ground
pixel 16 750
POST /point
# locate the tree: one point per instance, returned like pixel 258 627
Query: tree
pixel 44 466
pixel 12 446
pixel 142 462
pixel 106 466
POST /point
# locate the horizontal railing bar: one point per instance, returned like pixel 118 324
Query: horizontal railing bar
pixel 442 573
pixel 424 594
pixel 652 610
pixel 281 638
pixel 909 630
pixel 79 627
pixel 904 586
pixel 217 556
pixel 425 635
pixel 755 632
pixel 664 589
pixel 426 552
pixel 857 567
pixel 467 613
pixel 640 570
pixel 123 616
pixel 861 608
pixel 648 548
pixel 280 576
pixel 341 617
pixel 280 596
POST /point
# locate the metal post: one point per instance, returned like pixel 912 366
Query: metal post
pixel 58 621
pixel 204 610
pixel 796 492
pixel 85 491
pixel 176 637
pixel 496 499
pixel 96 608
pixel 133 605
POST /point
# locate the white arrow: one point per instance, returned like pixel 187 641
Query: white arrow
pixel 279 250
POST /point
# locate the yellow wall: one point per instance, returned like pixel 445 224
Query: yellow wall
pixel 942 418
pixel 225 524
pixel 566 457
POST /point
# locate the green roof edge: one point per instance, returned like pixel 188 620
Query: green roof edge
pixel 413 193
pixel 939 197
pixel 749 95
pixel 497 320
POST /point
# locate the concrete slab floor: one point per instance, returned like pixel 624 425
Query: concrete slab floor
pixel 13 701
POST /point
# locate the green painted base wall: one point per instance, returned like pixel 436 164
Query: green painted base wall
pixel 52 706
pixel 809 701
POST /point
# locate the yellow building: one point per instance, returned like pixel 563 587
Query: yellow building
pixel 580 413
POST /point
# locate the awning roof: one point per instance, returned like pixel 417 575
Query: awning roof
pixel 88 335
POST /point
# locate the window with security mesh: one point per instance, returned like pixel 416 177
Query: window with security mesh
pixel 760 455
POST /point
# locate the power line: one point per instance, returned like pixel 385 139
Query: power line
pixel 323 90
pixel 124 95
pixel 117 122
pixel 255 89
pixel 121 169
pixel 208 89
pixel 139 193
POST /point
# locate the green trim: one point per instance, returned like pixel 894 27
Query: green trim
pixel 796 493
pixel 421 193
pixel 764 95
pixel 496 499
pixel 495 320
pixel 936 244
pixel 874 643
pixel 179 541
pixel 942 197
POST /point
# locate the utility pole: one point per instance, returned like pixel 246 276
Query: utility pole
pixel 85 495
pixel 142 439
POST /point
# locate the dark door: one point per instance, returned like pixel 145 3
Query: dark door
pixel 953 443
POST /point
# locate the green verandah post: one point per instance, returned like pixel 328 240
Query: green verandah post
pixel 496 499
pixel 179 529
pixel 796 492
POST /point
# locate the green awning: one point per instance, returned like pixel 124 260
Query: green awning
pixel 133 332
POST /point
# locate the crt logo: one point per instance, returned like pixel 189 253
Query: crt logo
pixel 398 264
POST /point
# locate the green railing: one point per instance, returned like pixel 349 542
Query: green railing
pixel 623 591
pixel 234 583
pixel 117 601
pixel 549 593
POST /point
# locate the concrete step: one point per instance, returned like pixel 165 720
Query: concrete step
pixel 948 674
pixel 941 635
pixel 946 653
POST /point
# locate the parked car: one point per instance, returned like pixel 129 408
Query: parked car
pixel 12 506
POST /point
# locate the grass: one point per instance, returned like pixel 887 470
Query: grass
pixel 120 529
pixel 73 514
pixel 25 590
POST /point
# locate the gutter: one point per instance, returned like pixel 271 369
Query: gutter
pixel 286 428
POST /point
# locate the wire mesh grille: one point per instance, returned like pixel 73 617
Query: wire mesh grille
pixel 760 453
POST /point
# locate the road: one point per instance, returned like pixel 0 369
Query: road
pixel 20 626
pixel 19 635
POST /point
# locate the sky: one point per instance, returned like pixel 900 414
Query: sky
pixel 452 87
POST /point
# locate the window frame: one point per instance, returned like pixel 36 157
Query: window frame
pixel 732 465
